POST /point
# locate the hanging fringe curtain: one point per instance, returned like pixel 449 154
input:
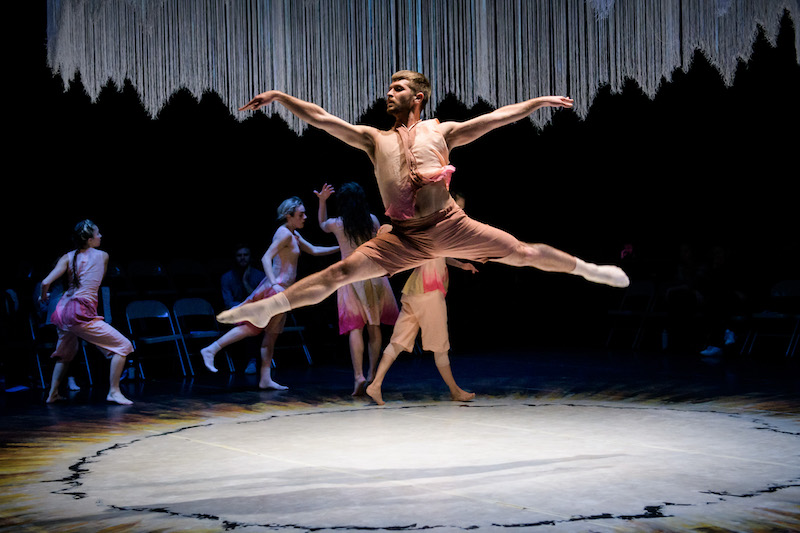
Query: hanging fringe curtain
pixel 340 54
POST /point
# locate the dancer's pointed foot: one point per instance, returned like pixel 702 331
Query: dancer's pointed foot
pixel 208 358
pixel 257 313
pixel 271 385
pixel 360 386
pixel 606 274
pixel 612 275
pixel 462 396
pixel 118 397
pixel 374 392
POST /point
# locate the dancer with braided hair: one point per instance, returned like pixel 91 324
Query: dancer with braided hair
pixel 76 313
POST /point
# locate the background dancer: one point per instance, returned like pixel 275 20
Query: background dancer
pixel 362 304
pixel 423 307
pixel 76 317
pixel 412 168
pixel 280 267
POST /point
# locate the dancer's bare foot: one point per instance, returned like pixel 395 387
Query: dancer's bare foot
pixel 208 358
pixel 54 397
pixel 71 385
pixel 118 397
pixel 374 392
pixel 360 385
pixel 461 395
pixel 269 384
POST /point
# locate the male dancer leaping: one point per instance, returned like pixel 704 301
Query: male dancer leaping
pixel 412 169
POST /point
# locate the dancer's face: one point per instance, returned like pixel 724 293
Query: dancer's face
pixel 297 219
pixel 400 97
pixel 94 240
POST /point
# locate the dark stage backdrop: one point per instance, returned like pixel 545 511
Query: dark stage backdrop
pixel 701 163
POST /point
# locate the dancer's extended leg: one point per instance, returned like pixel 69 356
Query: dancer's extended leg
pixel 234 335
pixel 307 291
pixel 545 257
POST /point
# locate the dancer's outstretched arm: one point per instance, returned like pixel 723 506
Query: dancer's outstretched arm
pixel 362 137
pixel 469 267
pixel 460 133
pixel 322 212
pixel 313 249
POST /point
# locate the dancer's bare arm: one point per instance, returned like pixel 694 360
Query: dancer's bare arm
pixel 281 239
pixel 313 249
pixel 460 133
pixel 59 270
pixel 322 212
pixel 362 137
pixel 469 267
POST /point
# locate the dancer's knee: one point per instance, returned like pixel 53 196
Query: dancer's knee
pixel 355 267
pixel 339 273
pixel 525 254
pixel 533 252
pixel 441 359
pixel 392 351
pixel 126 348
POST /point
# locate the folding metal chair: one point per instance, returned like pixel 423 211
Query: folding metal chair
pixel 635 307
pixel 196 320
pixel 150 323
pixel 293 327
pixel 781 319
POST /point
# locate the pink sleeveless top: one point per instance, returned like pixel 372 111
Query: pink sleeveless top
pixel 79 304
pixel 407 159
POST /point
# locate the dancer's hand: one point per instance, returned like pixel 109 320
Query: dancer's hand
pixel 259 101
pixel 327 191
pixel 558 101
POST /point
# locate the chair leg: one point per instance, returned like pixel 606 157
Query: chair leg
pixel 794 340
pixel 305 347
pixel 189 364
pixel 180 358
pixel 39 369
pixel 86 362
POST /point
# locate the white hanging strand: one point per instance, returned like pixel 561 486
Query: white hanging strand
pixel 340 54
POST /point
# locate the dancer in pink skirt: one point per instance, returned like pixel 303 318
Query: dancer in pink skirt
pixel 367 303
pixel 280 267
pixel 76 313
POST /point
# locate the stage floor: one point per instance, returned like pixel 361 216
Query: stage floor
pixel 556 440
